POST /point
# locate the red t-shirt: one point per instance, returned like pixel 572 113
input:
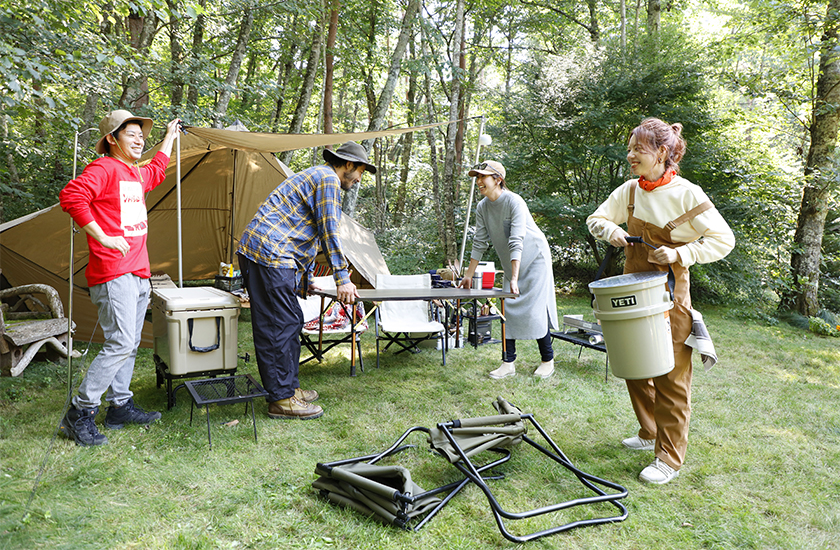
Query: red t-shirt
pixel 113 194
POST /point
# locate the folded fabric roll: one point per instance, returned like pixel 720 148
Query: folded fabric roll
pixel 700 340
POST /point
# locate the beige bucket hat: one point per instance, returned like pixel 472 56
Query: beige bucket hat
pixel 114 120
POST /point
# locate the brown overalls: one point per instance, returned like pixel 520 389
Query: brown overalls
pixel 663 404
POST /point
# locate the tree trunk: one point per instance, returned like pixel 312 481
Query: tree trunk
pixel 437 199
pixel 328 70
pixel 820 174
pixel 141 32
pixel 176 52
pixel 308 85
pixel 623 10
pixel 398 212
pixel 283 75
pixel 377 118
pixel 198 41
pixel 462 104
pixel 449 184
pixel 88 120
pixel 654 16
pixel 233 69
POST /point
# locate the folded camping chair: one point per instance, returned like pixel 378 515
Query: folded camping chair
pixel 338 320
pixel 406 323
pixel 460 440
pixel 387 492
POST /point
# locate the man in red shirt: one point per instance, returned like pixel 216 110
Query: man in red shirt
pixel 108 202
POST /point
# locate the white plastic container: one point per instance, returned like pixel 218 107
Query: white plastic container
pixel 632 309
pixel 195 329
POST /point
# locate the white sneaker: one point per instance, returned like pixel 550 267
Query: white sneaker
pixel 545 369
pixel 658 472
pixel 507 369
pixel 638 444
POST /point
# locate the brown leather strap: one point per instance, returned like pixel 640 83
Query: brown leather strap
pixel 631 206
pixel 690 215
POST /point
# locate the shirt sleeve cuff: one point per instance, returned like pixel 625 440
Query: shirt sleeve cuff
pixel 342 277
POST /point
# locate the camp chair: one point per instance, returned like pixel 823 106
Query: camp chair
pixel 406 323
pixel 460 440
pixel 388 493
pixel 338 321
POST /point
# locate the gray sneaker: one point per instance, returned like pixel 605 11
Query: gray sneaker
pixel 128 413
pixel 79 425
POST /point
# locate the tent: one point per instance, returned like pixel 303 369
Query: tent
pixel 225 176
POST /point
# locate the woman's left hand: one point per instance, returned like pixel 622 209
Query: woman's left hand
pixel 664 256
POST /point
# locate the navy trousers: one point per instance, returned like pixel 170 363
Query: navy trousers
pixel 276 322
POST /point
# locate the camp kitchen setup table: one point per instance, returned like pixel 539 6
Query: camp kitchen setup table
pixel 443 294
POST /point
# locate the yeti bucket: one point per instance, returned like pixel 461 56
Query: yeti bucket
pixel 632 309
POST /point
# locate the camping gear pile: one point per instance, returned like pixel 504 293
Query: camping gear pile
pixel 475 447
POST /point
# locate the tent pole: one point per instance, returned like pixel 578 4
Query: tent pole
pixel 232 208
pixel 71 274
pixel 469 203
pixel 178 200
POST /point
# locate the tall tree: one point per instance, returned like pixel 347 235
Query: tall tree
pixel 450 197
pixel 235 64
pixel 308 83
pixel 196 55
pixel 328 69
pixel 821 172
pixel 380 111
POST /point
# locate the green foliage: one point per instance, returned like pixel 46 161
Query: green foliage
pixel 820 326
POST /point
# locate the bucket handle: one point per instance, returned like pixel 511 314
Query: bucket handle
pixel 208 348
pixel 640 240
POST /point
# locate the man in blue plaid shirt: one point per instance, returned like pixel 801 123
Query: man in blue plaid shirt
pixel 276 254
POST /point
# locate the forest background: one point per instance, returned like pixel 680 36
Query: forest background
pixel 558 85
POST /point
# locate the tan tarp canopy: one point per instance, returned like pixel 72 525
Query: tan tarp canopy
pixel 225 176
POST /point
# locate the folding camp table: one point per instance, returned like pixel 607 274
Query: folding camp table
pixel 444 294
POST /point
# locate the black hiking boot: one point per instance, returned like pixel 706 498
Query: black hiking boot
pixel 128 413
pixel 79 425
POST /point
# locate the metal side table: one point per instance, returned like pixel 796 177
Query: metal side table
pixel 225 391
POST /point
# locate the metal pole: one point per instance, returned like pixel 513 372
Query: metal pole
pixel 71 274
pixel 469 203
pixel 178 199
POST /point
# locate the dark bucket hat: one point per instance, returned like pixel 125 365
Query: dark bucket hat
pixel 351 152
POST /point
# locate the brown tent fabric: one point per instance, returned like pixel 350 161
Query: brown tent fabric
pixel 225 176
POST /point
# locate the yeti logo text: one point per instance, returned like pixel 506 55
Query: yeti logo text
pixel 625 301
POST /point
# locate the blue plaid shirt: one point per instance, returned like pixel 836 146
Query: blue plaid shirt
pixel 302 213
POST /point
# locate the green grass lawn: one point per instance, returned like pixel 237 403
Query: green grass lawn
pixel 762 469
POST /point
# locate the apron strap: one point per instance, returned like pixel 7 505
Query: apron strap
pixel 690 215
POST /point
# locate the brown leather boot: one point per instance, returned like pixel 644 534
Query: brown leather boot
pixel 309 396
pixel 294 408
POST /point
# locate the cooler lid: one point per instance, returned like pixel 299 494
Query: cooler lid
pixel 645 279
pixel 194 298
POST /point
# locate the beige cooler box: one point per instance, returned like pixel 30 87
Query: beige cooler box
pixel 195 329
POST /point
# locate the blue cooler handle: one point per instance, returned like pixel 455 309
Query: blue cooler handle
pixel 208 348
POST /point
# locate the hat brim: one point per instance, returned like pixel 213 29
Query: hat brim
pixel 474 173
pixel 332 155
pixel 145 127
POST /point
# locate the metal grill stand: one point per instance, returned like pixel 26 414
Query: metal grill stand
pixel 224 391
